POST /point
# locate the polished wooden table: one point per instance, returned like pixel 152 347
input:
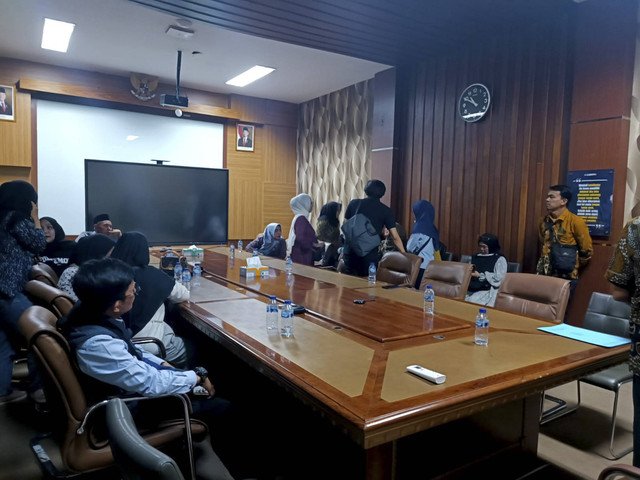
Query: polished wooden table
pixel 349 360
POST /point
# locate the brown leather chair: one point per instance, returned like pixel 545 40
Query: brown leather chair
pixel 44 273
pixel 399 268
pixel 534 295
pixel 76 421
pixel 53 299
pixel 448 279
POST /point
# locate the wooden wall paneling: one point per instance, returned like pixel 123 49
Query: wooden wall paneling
pixel 15 136
pixel 264 111
pixel 276 205
pixel 8 174
pixel 604 55
pixel 279 145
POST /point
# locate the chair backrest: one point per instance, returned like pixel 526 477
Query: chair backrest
pixel 534 295
pixel 447 256
pixel 449 279
pixel 399 268
pixel 44 273
pixel 465 258
pixel 604 314
pixel 52 298
pixel 62 389
pixel 513 267
pixel 135 458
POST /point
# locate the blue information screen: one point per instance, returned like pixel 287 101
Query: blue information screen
pixel 592 199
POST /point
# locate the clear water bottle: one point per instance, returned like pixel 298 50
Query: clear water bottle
pixel 286 325
pixel 239 245
pixel 177 272
pixel 197 275
pixel 482 327
pixel 288 265
pixel 255 253
pixel 232 251
pixel 272 314
pixel 372 273
pixel 186 278
pixel 429 300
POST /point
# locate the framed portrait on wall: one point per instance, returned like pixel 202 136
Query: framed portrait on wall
pixel 245 137
pixel 7 102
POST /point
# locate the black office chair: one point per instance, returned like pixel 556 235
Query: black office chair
pixel 447 257
pixel 135 458
pixel 465 258
pixel 606 315
pixel 513 267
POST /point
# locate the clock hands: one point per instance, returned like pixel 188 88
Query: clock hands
pixel 469 99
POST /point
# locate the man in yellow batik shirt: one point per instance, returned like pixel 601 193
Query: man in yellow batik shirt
pixel 570 235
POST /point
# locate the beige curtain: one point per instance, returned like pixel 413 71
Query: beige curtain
pixel 334 146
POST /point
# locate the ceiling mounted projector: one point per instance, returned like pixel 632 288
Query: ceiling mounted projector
pixel 175 100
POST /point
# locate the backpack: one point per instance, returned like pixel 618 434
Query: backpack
pixel 360 234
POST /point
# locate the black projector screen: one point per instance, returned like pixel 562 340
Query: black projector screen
pixel 170 205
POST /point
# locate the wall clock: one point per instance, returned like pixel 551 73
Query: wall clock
pixel 474 102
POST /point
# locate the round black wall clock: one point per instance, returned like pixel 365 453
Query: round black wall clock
pixel 474 102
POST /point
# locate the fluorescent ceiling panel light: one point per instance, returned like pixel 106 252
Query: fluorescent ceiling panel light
pixel 251 75
pixel 56 35
pixel 131 138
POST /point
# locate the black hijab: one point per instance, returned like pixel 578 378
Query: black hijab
pixel 58 253
pixel 15 198
pixel 91 248
pixel 329 213
pixel 155 286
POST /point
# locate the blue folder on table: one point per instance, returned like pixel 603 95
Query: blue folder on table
pixel 586 335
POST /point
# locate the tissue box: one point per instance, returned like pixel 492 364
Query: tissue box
pixel 193 253
pixel 249 272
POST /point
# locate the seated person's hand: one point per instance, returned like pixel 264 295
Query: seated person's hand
pixel 475 274
pixel 116 233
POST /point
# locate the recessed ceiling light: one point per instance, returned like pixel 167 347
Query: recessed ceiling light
pixel 56 35
pixel 131 138
pixel 251 75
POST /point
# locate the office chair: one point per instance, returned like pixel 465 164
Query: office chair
pixel 78 423
pixel 134 457
pixel 52 298
pixel 399 268
pixel 465 258
pixel 44 273
pixel 449 279
pixel 606 315
pixel 513 267
pixel 534 295
pixel 619 470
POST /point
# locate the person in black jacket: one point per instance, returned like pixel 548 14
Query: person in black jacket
pixel 58 250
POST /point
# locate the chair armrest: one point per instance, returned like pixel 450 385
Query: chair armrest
pixel 159 344
pixel 619 469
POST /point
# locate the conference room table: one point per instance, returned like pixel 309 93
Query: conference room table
pixel 348 360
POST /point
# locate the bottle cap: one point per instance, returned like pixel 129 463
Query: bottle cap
pixel 272 297
pixel 372 263
pixel 483 310
pixel 287 302
pixel 430 286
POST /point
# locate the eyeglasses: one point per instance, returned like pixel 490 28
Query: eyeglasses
pixel 136 290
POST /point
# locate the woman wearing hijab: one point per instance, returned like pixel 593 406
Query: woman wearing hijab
pixel 21 240
pixel 425 238
pixel 489 269
pixel 58 250
pixel 146 318
pixel 328 231
pixel 302 237
pixel 270 243
pixel 88 248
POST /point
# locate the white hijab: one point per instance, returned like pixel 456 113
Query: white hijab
pixel 301 206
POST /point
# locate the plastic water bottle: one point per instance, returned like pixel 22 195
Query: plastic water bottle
pixel 372 273
pixel 429 300
pixel 288 265
pixel 482 327
pixel 232 251
pixel 272 314
pixel 239 246
pixel 186 278
pixel 286 325
pixel 177 272
pixel 197 275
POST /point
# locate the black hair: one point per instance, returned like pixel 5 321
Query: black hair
pixel 101 283
pixel 245 128
pixel 375 188
pixel 565 191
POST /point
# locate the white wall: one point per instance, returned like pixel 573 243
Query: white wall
pixel 68 134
